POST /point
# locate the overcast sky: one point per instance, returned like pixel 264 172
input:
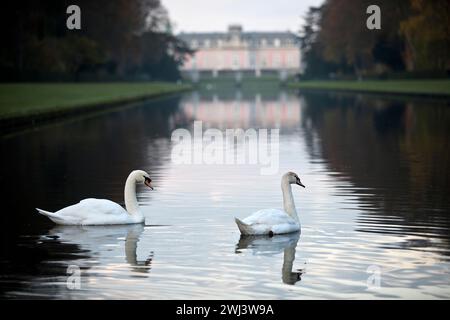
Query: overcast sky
pixel 253 15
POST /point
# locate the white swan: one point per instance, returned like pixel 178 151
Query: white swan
pixel 274 221
pixel 104 212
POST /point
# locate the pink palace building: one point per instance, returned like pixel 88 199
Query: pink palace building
pixel 242 53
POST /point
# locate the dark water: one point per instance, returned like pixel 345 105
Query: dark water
pixel 377 173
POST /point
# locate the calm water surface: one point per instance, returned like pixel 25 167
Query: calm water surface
pixel 377 173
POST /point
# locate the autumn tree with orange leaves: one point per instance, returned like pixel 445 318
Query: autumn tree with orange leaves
pixel 414 36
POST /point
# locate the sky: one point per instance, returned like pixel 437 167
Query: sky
pixel 253 15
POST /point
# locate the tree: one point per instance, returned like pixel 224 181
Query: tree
pixel 336 34
pixel 427 31
pixel 116 36
pixel 315 64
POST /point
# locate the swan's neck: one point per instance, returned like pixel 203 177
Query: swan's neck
pixel 131 203
pixel 288 200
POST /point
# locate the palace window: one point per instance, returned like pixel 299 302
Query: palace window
pixel 277 42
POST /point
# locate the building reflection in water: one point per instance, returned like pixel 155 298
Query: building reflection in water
pixel 282 111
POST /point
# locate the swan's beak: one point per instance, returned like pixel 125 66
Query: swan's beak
pixel 300 183
pixel 148 183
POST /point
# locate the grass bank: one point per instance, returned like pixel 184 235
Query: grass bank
pixel 33 99
pixel 415 87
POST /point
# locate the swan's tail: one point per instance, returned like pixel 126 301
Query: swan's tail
pixel 56 218
pixel 243 228
pixel 45 213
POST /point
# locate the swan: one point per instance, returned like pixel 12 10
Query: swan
pixel 274 221
pixel 104 212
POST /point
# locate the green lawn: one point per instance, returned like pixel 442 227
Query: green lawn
pixel 426 87
pixel 36 98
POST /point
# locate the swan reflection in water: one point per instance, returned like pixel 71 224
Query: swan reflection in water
pixel 104 243
pixel 270 246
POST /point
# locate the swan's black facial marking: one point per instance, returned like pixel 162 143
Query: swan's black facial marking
pixel 147 182
pixel 297 181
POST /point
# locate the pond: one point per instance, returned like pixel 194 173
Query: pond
pixel 375 212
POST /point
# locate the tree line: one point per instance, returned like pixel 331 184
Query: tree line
pixel 414 40
pixel 118 40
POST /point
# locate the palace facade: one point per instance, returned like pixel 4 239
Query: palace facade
pixel 242 53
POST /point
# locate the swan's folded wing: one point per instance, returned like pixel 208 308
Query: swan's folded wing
pixel 102 206
pixel 269 217
pixel 88 209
